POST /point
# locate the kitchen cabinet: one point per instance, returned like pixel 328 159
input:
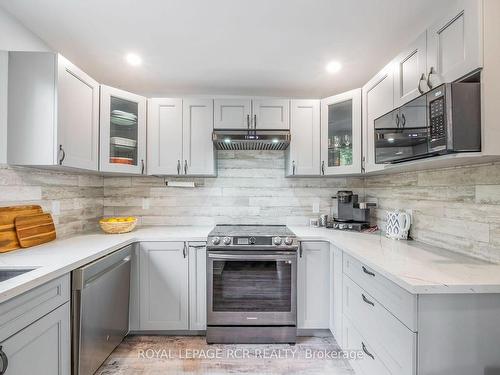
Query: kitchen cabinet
pixel 232 113
pixel 198 149
pixel 454 43
pixel 123 131
pixel 313 286
pixel 164 136
pixel 53 112
pixel 303 154
pixel 410 71
pixel 41 348
pixel 341 133
pixel 180 137
pixel 336 299
pixel 265 113
pixel 197 286
pixel 271 114
pixel 163 286
pixel 378 99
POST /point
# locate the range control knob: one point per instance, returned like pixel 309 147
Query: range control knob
pixel 277 241
pixel 227 240
pixel 216 240
pixel 288 241
pixel 252 240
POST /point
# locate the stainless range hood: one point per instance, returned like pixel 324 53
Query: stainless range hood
pixel 230 139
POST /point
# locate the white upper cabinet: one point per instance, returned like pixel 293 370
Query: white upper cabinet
pixel 378 99
pixel 198 149
pixel 165 136
pixel 123 131
pixel 341 133
pixel 53 113
pixel 232 113
pixel 271 114
pixel 267 114
pixel 180 137
pixel 410 72
pixel 303 154
pixel 454 43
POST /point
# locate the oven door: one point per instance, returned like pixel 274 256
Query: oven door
pixel 251 288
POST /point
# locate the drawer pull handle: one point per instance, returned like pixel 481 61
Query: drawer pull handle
pixel 366 300
pixel 368 272
pixel 366 351
pixel 4 362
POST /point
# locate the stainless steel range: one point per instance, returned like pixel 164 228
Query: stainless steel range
pixel 251 284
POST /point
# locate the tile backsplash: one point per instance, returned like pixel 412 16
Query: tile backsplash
pixel 75 200
pixel 454 208
pixel 250 188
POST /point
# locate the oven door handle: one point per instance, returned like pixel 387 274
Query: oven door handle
pixel 281 256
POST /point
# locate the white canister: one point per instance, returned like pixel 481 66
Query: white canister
pixel 397 225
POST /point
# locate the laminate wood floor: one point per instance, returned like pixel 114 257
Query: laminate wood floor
pixel 159 355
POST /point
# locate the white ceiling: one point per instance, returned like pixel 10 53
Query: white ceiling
pixel 239 47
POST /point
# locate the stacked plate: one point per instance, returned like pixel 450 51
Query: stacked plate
pixel 123 142
pixel 123 118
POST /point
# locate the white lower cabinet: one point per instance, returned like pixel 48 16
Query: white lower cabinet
pixel 42 348
pixel 313 290
pixel 163 286
pixel 336 299
pixel 197 286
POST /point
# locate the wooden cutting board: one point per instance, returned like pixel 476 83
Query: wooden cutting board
pixel 8 236
pixel 35 229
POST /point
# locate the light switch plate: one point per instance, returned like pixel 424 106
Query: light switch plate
pixel 145 203
pixel 56 208
pixel 315 207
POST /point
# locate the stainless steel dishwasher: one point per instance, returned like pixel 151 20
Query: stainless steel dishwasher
pixel 100 309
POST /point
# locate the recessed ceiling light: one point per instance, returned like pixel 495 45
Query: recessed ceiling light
pixel 333 67
pixel 133 59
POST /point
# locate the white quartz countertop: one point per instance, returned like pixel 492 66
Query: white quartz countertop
pixel 417 268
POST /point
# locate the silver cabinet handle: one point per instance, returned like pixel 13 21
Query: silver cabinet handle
pixel 184 250
pixel 4 362
pixel 323 167
pixel 367 272
pixel 248 121
pixel 431 72
pixel 143 166
pixel 366 351
pixel 300 250
pixel 293 167
pixel 422 78
pixel 178 167
pixel 197 246
pixel 366 300
pixel 185 167
pixel 397 120
pixel 403 119
pixel 255 121
pixel 63 156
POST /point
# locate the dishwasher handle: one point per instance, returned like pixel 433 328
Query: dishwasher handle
pixel 105 271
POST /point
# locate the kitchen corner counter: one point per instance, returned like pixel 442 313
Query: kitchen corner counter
pixel 415 267
pixel 61 256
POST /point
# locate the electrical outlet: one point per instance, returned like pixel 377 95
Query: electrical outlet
pixel 315 207
pixel 56 208
pixel 145 203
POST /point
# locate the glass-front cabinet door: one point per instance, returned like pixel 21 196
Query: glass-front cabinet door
pixel 123 131
pixel 341 133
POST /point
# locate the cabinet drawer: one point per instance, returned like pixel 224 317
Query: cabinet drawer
pixel 370 363
pixel 398 301
pixel 23 310
pixel 391 339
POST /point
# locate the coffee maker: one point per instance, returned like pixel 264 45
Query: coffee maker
pixel 351 214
